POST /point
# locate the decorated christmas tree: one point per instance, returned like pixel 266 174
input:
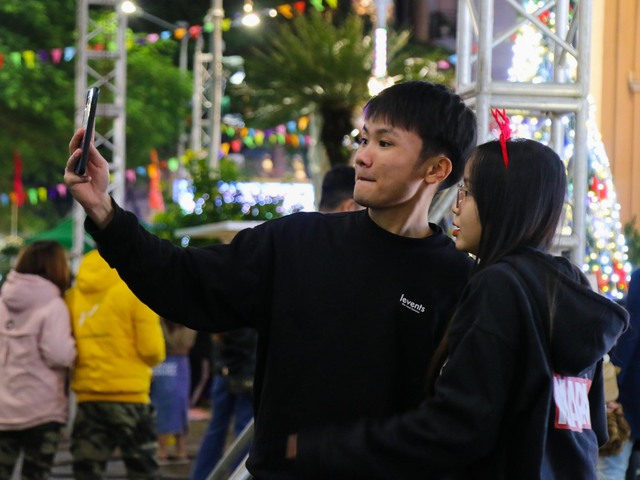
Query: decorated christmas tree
pixel 606 250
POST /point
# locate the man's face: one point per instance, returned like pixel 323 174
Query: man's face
pixel 388 170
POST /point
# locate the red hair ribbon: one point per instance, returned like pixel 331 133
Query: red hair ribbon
pixel 505 131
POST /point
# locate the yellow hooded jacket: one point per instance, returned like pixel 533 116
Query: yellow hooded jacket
pixel 119 339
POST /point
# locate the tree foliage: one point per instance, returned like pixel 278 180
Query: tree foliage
pixel 314 64
pixel 212 205
pixel 37 104
pixel 158 100
pixel 632 236
pixel 309 64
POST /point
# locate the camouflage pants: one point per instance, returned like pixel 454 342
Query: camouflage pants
pixel 39 445
pixel 101 427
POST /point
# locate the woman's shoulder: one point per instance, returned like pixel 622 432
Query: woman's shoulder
pixel 52 313
pixel 527 263
pixel 497 287
pixel 497 274
pixel 56 304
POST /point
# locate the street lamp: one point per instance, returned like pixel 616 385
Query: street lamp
pixel 214 18
pixel 380 79
pixel 249 17
pixel 215 15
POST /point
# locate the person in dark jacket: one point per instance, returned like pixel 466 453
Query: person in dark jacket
pixel 626 356
pixel 234 360
pixel 348 306
pixel 521 394
pixel 337 190
pixel 169 392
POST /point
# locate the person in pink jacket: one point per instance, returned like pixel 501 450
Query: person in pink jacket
pixel 36 350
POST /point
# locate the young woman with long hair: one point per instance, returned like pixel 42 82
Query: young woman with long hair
pixel 520 394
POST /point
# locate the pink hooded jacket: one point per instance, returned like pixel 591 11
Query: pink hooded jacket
pixel 36 351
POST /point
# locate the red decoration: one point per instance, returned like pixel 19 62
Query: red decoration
pixel 155 191
pixel 544 17
pixel 505 131
pixel 17 178
pixel 236 145
pixel 195 30
pixel 599 188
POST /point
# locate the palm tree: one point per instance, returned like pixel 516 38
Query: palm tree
pixel 311 65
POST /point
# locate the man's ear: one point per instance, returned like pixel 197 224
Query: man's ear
pixel 438 169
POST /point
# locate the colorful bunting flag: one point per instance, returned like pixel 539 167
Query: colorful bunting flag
pixel 56 55
pixel 239 138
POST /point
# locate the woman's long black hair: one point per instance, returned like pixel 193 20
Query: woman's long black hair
pixel 520 204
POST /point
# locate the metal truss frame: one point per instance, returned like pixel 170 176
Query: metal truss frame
pixel 566 94
pixel 477 38
pixel 202 102
pixel 107 69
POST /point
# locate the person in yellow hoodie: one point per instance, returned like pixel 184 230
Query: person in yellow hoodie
pixel 119 340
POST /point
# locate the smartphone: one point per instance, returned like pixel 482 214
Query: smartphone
pixel 88 122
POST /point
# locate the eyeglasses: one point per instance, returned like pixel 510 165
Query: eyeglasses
pixel 463 192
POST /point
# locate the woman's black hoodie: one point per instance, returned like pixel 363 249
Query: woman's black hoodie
pixel 520 397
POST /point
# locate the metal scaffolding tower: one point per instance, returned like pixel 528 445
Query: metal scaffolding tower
pixel 105 68
pixel 201 101
pixel 563 97
pixel 208 88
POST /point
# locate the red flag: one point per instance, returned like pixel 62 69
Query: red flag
pixel 17 177
pixel 156 202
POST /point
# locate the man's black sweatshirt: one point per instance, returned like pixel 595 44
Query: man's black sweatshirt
pixel 348 314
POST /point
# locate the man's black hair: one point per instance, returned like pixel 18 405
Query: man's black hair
pixel 337 186
pixel 519 205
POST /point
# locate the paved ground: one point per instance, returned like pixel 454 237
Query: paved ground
pixel 198 421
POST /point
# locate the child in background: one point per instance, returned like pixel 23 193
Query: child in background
pixel 170 391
